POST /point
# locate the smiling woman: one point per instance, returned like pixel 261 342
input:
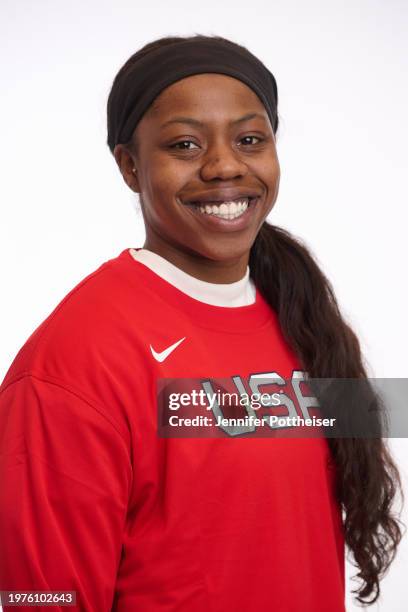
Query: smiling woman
pixel 241 521
pixel 203 160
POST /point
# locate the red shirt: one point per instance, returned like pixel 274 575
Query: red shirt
pixel 92 500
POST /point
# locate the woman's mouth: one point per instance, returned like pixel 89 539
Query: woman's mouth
pixel 224 210
pixel 233 215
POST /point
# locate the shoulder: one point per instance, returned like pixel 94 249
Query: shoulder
pixel 87 328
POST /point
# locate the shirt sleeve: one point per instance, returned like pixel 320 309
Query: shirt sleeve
pixel 65 477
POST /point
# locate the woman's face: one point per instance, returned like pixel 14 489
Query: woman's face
pixel 206 140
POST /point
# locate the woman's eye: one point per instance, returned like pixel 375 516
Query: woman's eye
pixel 249 137
pixel 182 142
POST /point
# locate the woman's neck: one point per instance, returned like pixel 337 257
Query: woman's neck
pixel 238 293
pixel 210 271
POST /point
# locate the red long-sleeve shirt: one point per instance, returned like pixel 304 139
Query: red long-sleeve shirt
pixel 92 500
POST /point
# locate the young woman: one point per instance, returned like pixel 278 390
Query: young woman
pixel 92 499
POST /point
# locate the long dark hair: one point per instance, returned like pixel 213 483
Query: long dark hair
pixel 367 479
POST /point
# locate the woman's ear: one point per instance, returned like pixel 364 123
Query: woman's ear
pixel 127 166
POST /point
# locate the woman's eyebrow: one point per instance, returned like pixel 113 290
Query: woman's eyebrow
pixel 197 123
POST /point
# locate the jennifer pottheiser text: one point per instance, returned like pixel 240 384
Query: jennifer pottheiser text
pixel 249 420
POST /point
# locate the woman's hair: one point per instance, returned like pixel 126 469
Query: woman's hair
pixel 367 479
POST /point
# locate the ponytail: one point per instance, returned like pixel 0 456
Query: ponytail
pixel 367 481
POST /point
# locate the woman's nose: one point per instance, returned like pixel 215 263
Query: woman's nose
pixel 221 161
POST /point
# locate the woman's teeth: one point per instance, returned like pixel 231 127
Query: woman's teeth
pixel 226 210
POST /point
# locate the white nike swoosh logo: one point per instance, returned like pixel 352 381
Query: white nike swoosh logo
pixel 164 354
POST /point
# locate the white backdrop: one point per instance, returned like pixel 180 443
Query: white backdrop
pixel 341 69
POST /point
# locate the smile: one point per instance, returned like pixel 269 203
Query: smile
pixel 224 210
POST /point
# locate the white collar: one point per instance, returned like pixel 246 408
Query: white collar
pixel 239 293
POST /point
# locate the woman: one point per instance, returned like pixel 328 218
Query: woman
pixel 92 499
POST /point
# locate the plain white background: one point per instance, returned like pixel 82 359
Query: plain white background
pixel 341 69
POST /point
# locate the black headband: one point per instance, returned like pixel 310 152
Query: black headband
pixel 148 76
